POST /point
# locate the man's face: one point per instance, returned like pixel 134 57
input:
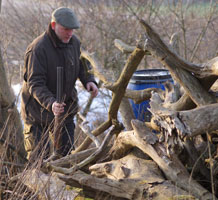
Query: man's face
pixel 63 33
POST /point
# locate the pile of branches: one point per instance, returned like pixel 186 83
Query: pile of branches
pixel 178 160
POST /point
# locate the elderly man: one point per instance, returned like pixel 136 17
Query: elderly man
pixel 58 46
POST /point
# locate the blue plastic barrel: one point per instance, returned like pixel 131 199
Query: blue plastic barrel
pixel 147 78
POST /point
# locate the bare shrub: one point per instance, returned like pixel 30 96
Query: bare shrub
pixel 102 22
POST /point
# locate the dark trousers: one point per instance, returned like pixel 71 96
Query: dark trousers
pixel 38 144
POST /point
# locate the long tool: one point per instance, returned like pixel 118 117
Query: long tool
pixel 58 118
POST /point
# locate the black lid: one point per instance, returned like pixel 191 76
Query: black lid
pixel 150 74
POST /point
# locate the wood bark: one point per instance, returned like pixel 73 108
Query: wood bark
pixel 73 159
pixel 177 117
pixel 119 88
pixel 126 113
pixel 170 60
pixel 145 173
pixel 125 48
pixel 124 189
pixel 163 152
pixel 10 122
pixel 144 176
pixel 187 123
pixel 92 157
pixel 171 166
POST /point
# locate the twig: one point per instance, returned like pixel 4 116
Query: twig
pixel 86 129
pixel 211 166
pixel 93 156
pixel 125 48
pixel 13 164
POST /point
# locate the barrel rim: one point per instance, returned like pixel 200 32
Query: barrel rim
pixel 135 77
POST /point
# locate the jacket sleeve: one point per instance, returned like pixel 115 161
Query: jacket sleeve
pixel 36 78
pixel 84 75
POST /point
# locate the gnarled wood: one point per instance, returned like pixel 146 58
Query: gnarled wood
pixel 125 48
pixel 201 70
pixel 125 176
pixel 124 189
pixel 138 96
pixel 186 123
pixel 93 156
pixel 128 167
pixel 169 59
pixel 145 173
pixel 121 84
pixel 144 139
pixel 72 159
pixel 86 129
pixel 120 87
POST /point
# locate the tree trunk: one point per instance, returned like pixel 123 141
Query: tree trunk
pixel 10 122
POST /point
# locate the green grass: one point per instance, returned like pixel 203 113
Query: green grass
pixel 199 9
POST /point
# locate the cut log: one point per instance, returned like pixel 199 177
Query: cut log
pixel 124 189
pixel 129 167
pixel 130 170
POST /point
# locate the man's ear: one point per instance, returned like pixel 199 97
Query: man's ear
pixel 53 25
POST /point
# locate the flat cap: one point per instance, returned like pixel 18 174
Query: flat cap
pixel 65 17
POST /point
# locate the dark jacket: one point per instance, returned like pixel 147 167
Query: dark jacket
pixel 42 58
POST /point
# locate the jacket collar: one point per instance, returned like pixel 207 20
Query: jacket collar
pixel 55 40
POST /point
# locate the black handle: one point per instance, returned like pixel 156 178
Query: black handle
pixel 59 94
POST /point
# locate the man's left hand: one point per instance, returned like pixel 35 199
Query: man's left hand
pixel 91 87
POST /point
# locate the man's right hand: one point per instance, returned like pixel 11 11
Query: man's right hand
pixel 58 108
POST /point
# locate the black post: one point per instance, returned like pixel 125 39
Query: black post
pixel 59 118
pixel 59 84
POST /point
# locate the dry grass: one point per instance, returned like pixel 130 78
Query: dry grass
pixel 100 26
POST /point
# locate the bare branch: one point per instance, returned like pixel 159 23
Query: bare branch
pixel 168 58
pixel 86 129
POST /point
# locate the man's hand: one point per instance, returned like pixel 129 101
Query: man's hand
pixel 58 108
pixel 91 87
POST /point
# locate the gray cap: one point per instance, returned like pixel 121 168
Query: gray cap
pixel 65 17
